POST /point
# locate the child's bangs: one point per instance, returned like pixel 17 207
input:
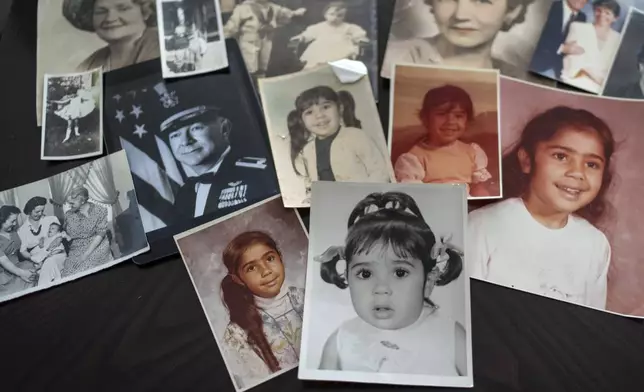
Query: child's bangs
pixel 315 96
pixel 405 240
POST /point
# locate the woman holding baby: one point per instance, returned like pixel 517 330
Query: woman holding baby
pixel 15 275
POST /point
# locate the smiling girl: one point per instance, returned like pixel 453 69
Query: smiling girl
pixel 327 142
pixel 265 327
pixel 440 157
pixel 467 30
pixel 542 238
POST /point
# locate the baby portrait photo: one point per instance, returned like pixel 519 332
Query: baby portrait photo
pixel 569 226
pixel 248 270
pixel 579 41
pixel 279 37
pixel 626 76
pixel 323 130
pixel 498 34
pixel 72 125
pixel 444 127
pixel 191 37
pixel 387 261
pixel 81 35
pixel 69 225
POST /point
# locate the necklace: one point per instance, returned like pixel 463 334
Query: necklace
pixel 37 232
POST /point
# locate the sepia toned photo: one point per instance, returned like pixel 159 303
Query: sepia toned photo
pixel 387 261
pixel 495 34
pixel 191 37
pixel 81 35
pixel 279 37
pixel 68 226
pixel 626 76
pixel 73 120
pixel 248 270
pixel 444 127
pixel 579 41
pixel 323 130
pixel 569 225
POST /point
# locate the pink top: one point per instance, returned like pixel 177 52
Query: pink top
pixel 455 163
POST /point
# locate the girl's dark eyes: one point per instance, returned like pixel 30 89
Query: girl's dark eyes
pixel 594 165
pixel 560 156
pixel 271 258
pixel 363 274
pixel 251 268
pixel 401 272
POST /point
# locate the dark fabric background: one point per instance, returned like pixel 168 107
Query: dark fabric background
pixel 142 329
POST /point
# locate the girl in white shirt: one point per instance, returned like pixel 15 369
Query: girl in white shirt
pixel 393 262
pixel 542 239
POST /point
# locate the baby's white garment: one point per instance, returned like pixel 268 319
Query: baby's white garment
pixel 330 43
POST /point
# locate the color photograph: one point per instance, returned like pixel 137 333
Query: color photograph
pixel 248 270
pixel 444 127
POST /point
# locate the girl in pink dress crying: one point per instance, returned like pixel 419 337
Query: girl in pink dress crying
pixel 542 239
pixel 332 39
pixel 441 157
pixel 393 260
pixel 264 333
pixel 74 107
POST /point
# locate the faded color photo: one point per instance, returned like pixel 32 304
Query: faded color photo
pixel 248 270
pixel 570 224
pixel 387 261
pixel 444 127
pixel 626 77
pixel 323 130
pixel 499 34
pixel 79 35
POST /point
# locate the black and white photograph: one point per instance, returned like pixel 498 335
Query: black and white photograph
pixel 67 226
pixel 321 129
pixel 626 76
pixel 191 37
pixel 80 35
pixel 579 41
pixel 72 125
pixel 497 34
pixel 285 36
pixel 387 261
pixel 246 267
pixel 197 146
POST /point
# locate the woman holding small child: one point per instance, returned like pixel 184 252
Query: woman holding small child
pixel 15 275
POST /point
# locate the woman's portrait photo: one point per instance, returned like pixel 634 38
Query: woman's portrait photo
pixel 444 127
pixel 579 42
pixel 499 34
pixel 81 35
pixel 279 37
pixel 72 125
pixel 626 76
pixel 387 261
pixel 323 130
pixel 68 226
pixel 248 270
pixel 568 227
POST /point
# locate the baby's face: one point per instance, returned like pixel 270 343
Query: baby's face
pixel 386 290
pixel 446 123
pixel 335 15
pixel 53 230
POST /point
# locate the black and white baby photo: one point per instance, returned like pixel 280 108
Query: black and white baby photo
pixel 191 37
pixel 387 261
pixel 323 130
pixel 72 120
pixel 278 37
pixel 67 226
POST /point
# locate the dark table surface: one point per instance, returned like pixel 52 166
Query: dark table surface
pixel 131 328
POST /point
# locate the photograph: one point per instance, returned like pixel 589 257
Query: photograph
pixel 579 41
pixel 81 35
pixel 321 129
pixel 626 76
pixel 280 37
pixel 72 126
pixel 497 34
pixel 67 226
pixel 387 261
pixel 248 270
pixel 569 226
pixel 195 154
pixel 444 127
pixel 191 37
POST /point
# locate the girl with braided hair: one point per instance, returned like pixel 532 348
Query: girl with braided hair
pixel 265 313
pixel 393 260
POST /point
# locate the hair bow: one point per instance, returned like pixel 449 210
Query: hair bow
pixel 439 250
pixel 333 253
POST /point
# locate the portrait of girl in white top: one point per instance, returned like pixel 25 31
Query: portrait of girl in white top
pixel 327 142
pixel 331 39
pixel 393 260
pixel 543 238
